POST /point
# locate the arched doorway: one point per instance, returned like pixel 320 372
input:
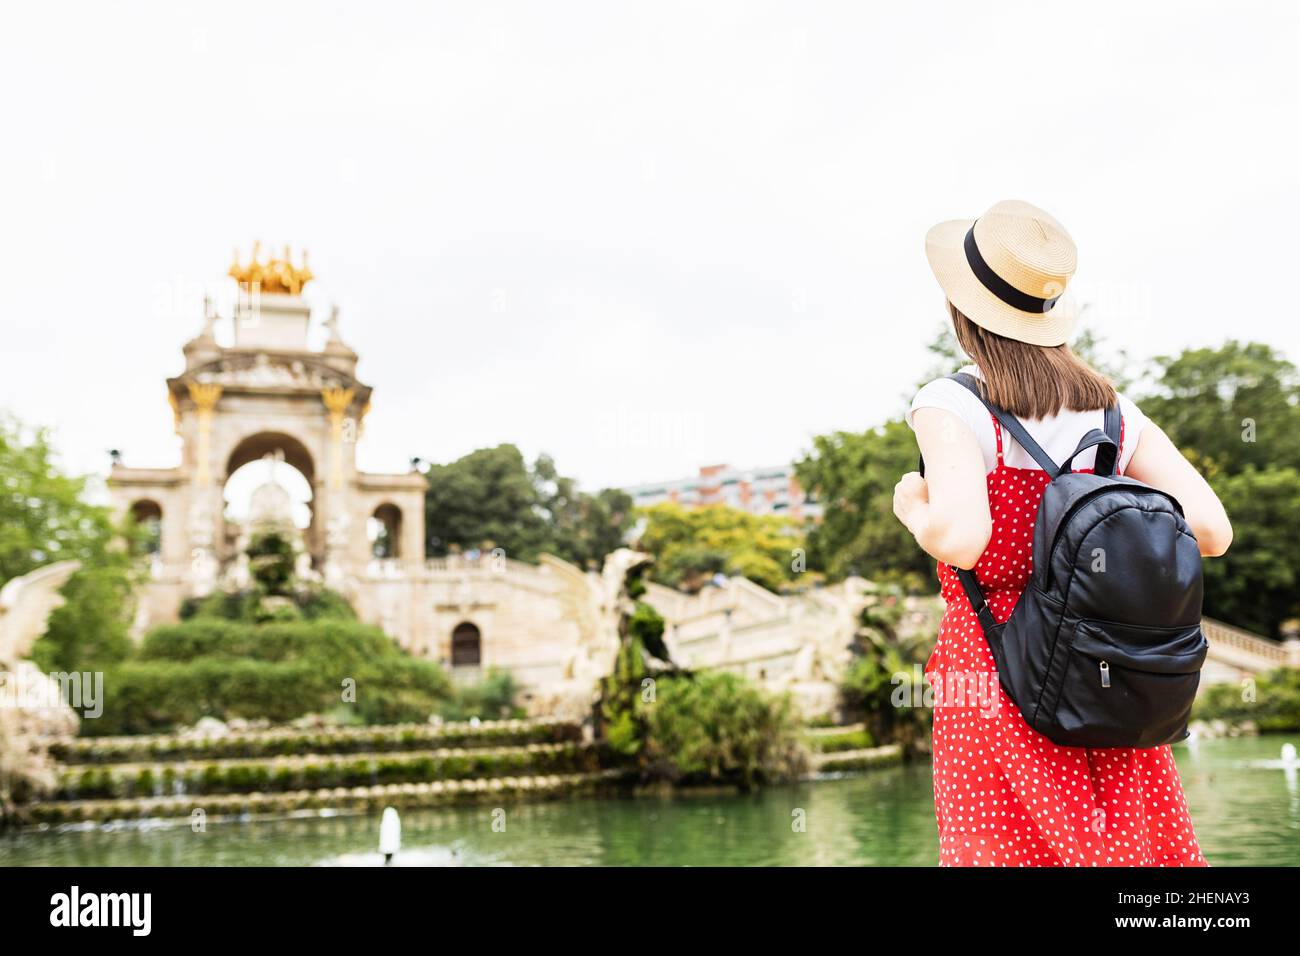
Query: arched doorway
pixel 270 478
pixel 146 515
pixel 466 645
pixel 385 532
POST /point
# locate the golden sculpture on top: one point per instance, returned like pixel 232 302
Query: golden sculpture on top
pixel 273 275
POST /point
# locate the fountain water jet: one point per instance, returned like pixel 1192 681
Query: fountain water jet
pixel 390 834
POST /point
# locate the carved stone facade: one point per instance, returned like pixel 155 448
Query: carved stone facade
pixel 552 625
pixel 268 394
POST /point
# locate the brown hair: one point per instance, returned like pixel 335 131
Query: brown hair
pixel 1031 381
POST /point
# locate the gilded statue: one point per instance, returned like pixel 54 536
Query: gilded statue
pixel 276 275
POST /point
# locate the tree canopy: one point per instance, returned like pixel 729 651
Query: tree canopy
pixel 691 545
pixel 1235 412
pixel 45 517
pixel 853 474
pixel 490 498
pixel 1235 406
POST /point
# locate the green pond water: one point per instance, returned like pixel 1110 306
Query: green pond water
pixel 1245 805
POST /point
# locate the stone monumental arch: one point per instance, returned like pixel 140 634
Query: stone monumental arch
pixel 268 394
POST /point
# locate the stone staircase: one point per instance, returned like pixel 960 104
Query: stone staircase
pixel 291 771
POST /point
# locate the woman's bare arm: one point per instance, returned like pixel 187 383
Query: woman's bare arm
pixel 947 511
pixel 1158 463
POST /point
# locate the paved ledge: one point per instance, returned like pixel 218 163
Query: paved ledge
pixel 340 799
pixel 836 761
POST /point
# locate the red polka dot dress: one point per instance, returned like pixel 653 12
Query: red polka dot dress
pixel 1004 794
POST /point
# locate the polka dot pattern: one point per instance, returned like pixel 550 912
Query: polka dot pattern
pixel 1004 794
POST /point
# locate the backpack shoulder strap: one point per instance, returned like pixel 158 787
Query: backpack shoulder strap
pixel 969 581
pixel 1107 457
pixel 1010 423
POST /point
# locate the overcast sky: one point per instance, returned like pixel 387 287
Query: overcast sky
pixel 640 237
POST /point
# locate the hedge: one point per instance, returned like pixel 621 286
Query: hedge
pixel 1273 706
pixel 856 739
pixel 316 771
pixel 344 643
pixel 211 667
pixel 285 741
pixel 347 800
pixel 159 695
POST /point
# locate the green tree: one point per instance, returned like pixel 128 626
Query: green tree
pixel 1229 407
pixel 44 517
pixel 491 499
pixel 1256 584
pixel 853 475
pixel 1234 411
pixel 691 545
pixel 487 499
pixel 583 528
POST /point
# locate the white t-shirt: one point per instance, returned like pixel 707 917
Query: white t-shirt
pixel 1057 434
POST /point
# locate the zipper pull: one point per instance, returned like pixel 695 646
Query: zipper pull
pixel 1105 674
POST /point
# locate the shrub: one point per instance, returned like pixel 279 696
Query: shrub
pixel 150 696
pixel 888 665
pixel 1275 708
pixel 492 698
pixel 270 557
pixel 826 743
pixel 228 605
pixel 279 672
pixel 716 727
pixel 319 602
pixel 310 603
pixel 344 644
pixel 622 726
pixel 398 690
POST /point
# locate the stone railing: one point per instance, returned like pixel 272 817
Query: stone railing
pixel 772 638
pixel 485 563
pixel 1233 645
pixel 741 597
pixel 385 568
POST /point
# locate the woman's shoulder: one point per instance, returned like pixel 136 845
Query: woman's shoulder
pixel 947 394
pixel 1134 419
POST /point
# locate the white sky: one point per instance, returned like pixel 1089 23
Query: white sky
pixel 640 237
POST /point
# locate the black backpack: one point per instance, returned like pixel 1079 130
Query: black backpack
pixel 1104 647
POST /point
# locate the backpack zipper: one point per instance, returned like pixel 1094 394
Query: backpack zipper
pixel 1105 674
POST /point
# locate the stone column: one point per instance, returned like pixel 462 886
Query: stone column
pixel 337 520
pixel 203 515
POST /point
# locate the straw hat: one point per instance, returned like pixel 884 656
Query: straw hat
pixel 1007 271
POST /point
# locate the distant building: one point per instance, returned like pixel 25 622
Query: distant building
pixel 760 491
